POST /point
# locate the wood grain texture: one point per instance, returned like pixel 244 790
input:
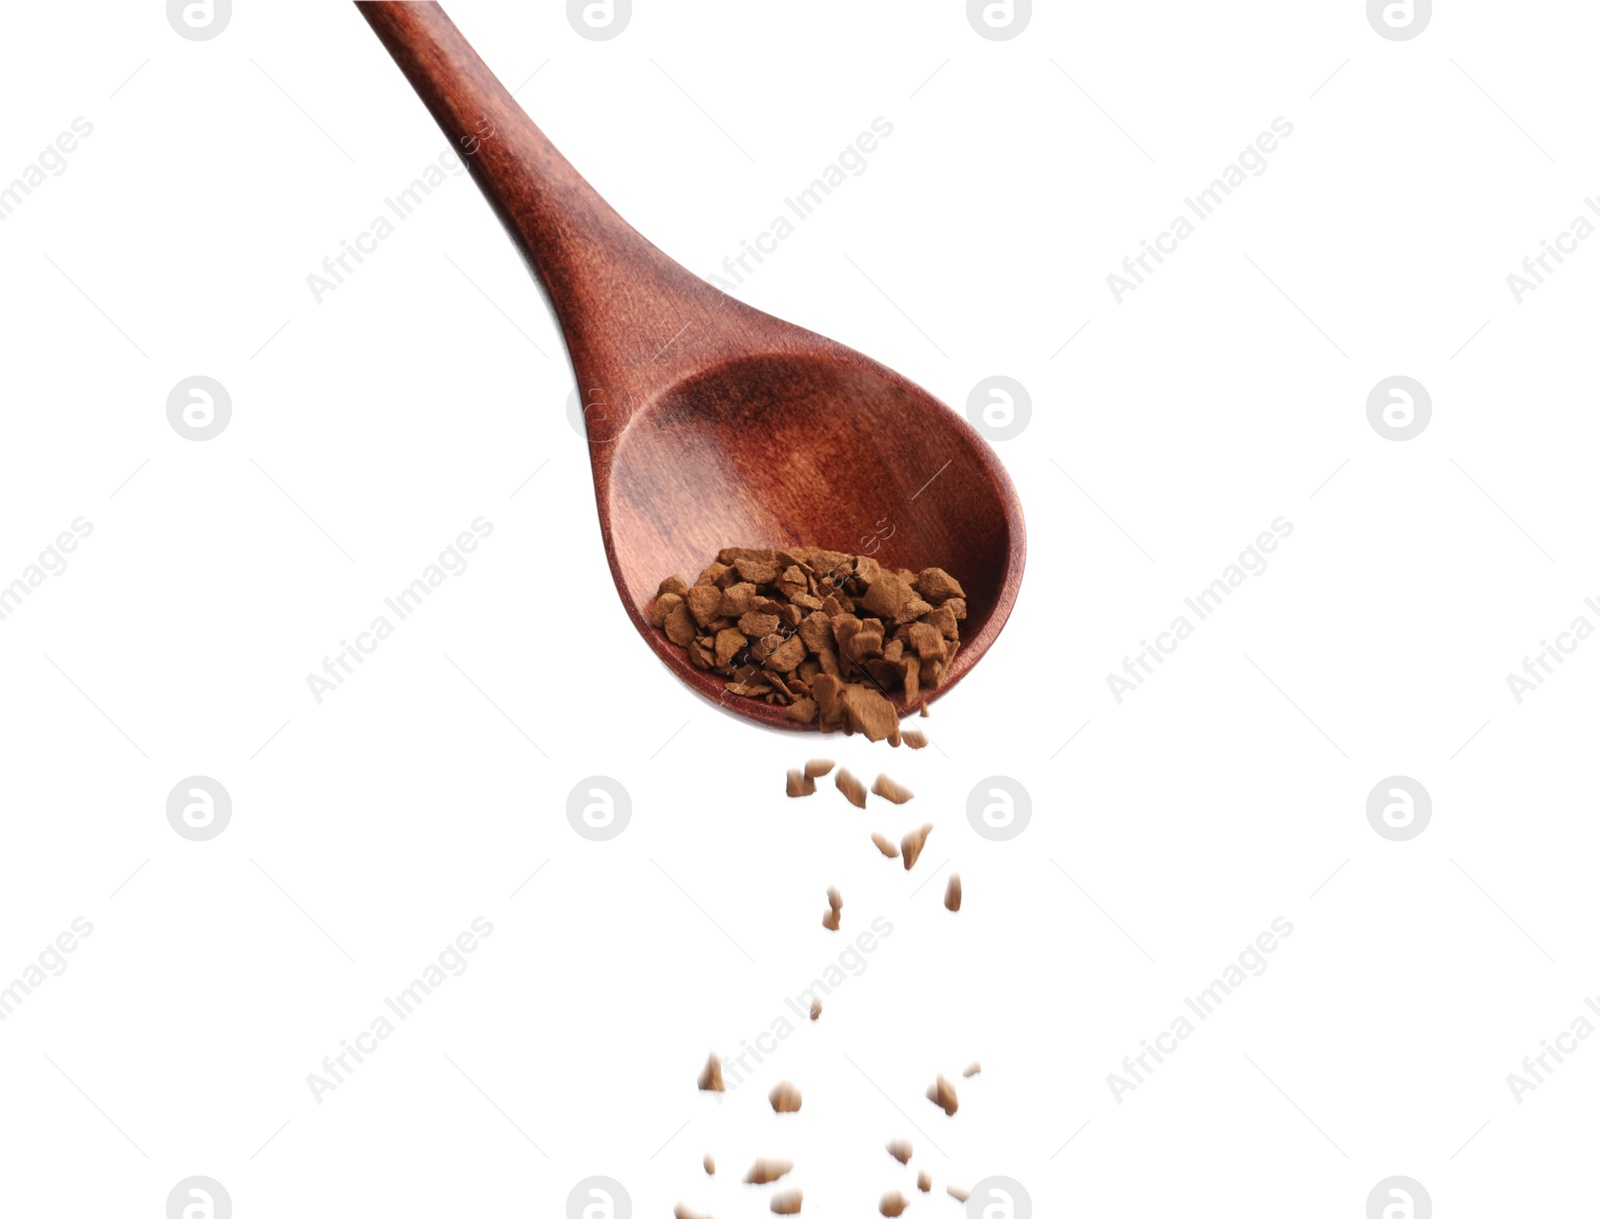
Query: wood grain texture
pixel 710 423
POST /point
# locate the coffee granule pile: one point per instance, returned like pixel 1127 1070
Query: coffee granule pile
pixel 825 634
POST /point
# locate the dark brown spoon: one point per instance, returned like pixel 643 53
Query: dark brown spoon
pixel 710 423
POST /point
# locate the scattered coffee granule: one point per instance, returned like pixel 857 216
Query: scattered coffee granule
pixel 915 738
pixel 956 1192
pixel 952 892
pixel 816 1007
pixel 830 920
pixel 785 1098
pixel 892 1204
pixel 796 784
pixel 711 1075
pixel 911 845
pixel 854 790
pixel 825 634
pixel 924 1181
pixel 943 1094
pixel 900 1150
pixel 711 1165
pixel 763 1172
pixel 683 1212
pixel 818 767
pixel 972 1070
pixel 886 787
pixel 888 848
pixel 788 1204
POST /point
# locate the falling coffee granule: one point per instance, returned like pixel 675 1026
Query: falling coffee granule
pixel 830 920
pixel 711 1165
pixel 892 1204
pixel 888 848
pixel 915 738
pixel 956 1192
pixel 818 767
pixel 825 634
pixel 763 1172
pixel 816 1007
pixel 942 1093
pixel 900 1150
pixel 796 784
pixel 924 1182
pixel 886 787
pixel 785 1098
pixel 911 845
pixel 788 1204
pixel 683 1212
pixel 854 790
pixel 952 892
pixel 972 1070
pixel 711 1075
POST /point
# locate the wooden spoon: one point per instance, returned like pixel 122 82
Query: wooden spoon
pixel 710 423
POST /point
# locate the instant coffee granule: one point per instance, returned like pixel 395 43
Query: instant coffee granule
pixel 711 1075
pixel 974 1069
pixel 763 1172
pixel 942 1093
pixel 683 1212
pixel 816 1007
pixel 956 1192
pixel 924 1182
pixel 911 845
pixel 830 920
pixel 787 1203
pixel 900 1150
pixel 886 787
pixel 854 790
pixel 888 848
pixel 825 634
pixel 711 1165
pixel 952 893
pixel 785 1098
pixel 892 1204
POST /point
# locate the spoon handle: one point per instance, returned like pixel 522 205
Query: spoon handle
pixel 603 279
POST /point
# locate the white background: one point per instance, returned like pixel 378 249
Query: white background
pixel 369 429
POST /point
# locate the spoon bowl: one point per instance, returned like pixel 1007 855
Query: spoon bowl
pixel 785 450
pixel 710 423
